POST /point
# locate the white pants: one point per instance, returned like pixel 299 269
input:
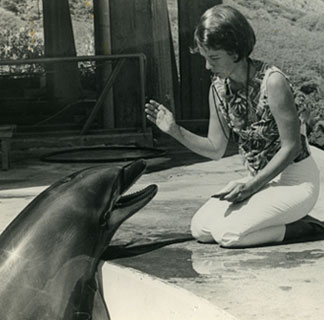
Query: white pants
pixel 261 219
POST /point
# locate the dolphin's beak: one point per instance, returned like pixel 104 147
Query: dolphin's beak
pixel 129 204
pixel 131 173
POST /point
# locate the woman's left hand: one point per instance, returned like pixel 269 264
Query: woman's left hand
pixel 236 191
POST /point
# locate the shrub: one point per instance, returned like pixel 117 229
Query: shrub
pixel 23 44
pixel 11 5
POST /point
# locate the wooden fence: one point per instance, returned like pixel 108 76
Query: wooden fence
pixel 121 27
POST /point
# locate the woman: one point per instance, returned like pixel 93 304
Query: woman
pixel 255 103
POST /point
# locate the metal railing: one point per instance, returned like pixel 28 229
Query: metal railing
pixel 120 58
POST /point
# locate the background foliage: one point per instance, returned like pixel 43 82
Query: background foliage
pixel 290 35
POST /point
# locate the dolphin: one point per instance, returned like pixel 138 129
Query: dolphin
pixel 50 264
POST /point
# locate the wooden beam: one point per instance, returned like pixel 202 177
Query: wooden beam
pixel 102 32
pixel 103 95
pixel 141 26
pixel 63 81
pixel 130 33
pixel 6 133
pixel 162 53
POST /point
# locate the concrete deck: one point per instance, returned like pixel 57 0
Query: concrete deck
pixel 274 282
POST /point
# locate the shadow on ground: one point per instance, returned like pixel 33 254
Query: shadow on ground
pixel 28 170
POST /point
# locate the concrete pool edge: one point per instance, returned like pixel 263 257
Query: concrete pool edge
pixel 133 295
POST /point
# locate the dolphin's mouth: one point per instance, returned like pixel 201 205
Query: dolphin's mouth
pixel 132 199
pixel 126 205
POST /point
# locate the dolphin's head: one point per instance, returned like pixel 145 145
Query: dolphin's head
pixel 88 204
pixel 121 206
pixel 103 193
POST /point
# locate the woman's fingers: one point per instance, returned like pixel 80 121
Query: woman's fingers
pixel 153 119
pixel 233 195
pixel 239 197
pixel 156 106
pixel 233 192
pixel 151 110
pixel 159 115
pixel 154 103
pixel 155 110
pixel 226 190
pixel 152 107
pixel 236 196
pixel 219 195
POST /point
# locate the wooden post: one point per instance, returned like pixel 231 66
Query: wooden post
pixel 141 26
pixel 6 133
pixel 162 53
pixel 195 79
pixel 63 79
pixel 103 47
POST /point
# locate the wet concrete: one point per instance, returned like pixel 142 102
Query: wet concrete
pixel 271 282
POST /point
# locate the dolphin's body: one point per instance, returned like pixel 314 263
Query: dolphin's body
pixel 50 254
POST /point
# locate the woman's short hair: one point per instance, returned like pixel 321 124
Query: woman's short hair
pixel 223 27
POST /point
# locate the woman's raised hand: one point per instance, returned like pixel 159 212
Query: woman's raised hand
pixel 160 115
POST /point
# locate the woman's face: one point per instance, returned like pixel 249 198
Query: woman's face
pixel 219 62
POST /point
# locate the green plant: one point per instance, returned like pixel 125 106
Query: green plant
pixel 11 5
pixel 20 45
pixel 81 9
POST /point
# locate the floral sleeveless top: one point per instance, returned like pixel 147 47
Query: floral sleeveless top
pixel 251 120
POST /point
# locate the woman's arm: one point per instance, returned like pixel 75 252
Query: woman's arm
pixel 282 105
pixel 213 146
pixel 283 108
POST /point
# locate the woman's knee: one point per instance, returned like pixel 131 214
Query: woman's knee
pixel 221 234
pixel 199 233
pixel 226 240
pixel 236 239
pixel 230 239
